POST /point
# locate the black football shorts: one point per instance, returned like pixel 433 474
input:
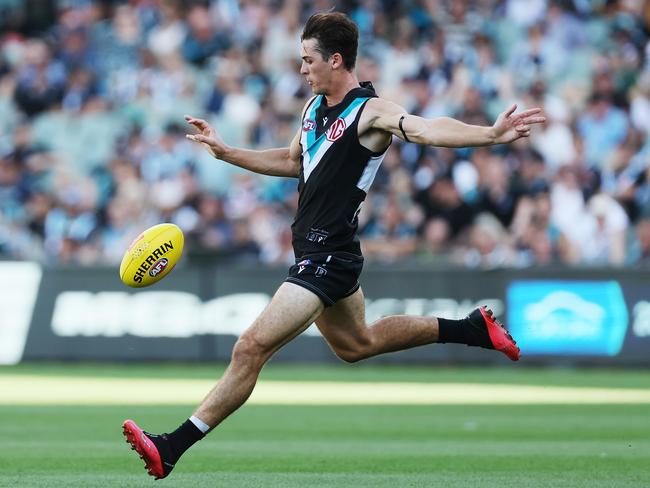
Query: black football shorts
pixel 332 276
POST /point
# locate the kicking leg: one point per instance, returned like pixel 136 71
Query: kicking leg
pixel 289 313
pixel 344 327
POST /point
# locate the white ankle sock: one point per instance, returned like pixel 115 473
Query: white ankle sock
pixel 200 424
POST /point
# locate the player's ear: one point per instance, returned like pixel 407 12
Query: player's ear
pixel 336 61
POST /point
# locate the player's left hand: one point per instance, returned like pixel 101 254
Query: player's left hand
pixel 510 126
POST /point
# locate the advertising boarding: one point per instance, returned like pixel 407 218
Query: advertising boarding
pixel 599 317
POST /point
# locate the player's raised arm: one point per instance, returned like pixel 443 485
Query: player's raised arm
pixel 272 162
pixel 448 132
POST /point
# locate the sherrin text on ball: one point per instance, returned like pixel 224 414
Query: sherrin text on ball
pixel 152 255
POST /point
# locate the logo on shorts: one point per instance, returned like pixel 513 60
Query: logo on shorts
pixel 308 125
pixel 336 130
pixel 303 264
pixel 320 272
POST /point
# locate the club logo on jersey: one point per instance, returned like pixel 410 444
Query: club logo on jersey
pixel 308 125
pixel 336 130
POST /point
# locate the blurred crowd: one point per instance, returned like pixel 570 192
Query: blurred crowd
pixel 92 146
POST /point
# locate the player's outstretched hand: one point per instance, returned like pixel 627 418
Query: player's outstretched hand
pixel 510 126
pixel 207 136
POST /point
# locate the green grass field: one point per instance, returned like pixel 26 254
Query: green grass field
pixel 557 445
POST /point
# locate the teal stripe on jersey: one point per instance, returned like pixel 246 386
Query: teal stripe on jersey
pixel 311 135
pixel 314 147
pixel 355 103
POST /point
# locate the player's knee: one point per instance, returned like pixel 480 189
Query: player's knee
pixel 247 350
pixel 353 354
pixel 349 356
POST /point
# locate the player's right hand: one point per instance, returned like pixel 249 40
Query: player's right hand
pixel 207 136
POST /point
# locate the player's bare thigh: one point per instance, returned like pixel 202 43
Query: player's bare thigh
pixel 344 324
pixel 291 310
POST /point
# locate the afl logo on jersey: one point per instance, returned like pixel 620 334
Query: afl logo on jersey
pixel 308 125
pixel 336 130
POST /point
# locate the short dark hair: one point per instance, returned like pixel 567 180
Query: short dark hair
pixel 335 33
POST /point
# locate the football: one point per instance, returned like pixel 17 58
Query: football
pixel 152 255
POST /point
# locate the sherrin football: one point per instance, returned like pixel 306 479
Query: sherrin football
pixel 152 255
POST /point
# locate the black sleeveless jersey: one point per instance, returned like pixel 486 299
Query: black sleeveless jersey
pixel 336 172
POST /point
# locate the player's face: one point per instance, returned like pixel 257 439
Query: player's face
pixel 316 70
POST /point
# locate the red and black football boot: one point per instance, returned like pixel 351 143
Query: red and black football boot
pixel 497 337
pixel 152 449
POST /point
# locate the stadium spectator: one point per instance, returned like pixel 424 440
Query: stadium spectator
pixel 537 240
pixel 203 39
pixel 488 245
pixel 435 242
pixel 443 200
pixel 40 79
pixel 602 128
pixel 495 195
pixel 606 243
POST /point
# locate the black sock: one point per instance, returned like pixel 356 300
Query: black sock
pixel 471 331
pixel 183 438
pixel 451 331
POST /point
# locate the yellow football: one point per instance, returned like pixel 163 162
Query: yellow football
pixel 152 255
